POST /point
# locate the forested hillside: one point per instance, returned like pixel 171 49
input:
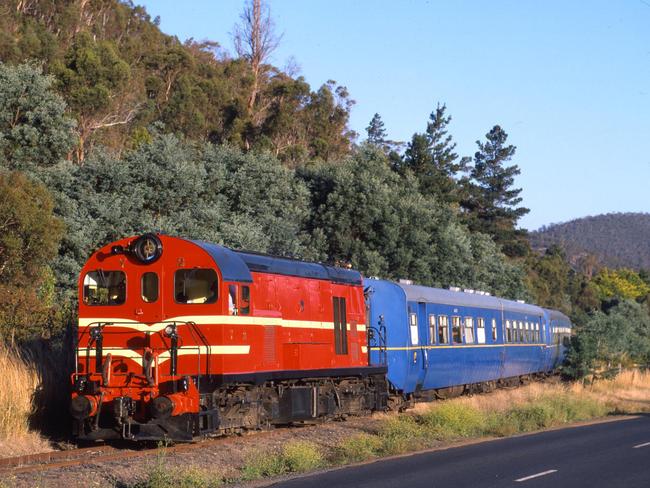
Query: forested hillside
pixel 615 240
pixel 118 73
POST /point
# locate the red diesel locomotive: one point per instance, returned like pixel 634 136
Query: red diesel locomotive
pixel 179 338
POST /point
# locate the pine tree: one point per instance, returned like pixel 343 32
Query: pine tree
pixel 376 132
pixel 432 158
pixel 491 203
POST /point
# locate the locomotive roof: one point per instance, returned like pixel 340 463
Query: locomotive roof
pixel 417 293
pixel 237 266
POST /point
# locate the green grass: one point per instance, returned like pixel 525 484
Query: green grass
pixel 358 448
pixel 160 475
pixel 544 413
pixel 295 457
pixel 453 420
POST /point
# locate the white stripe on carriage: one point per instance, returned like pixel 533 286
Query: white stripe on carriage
pixel 215 320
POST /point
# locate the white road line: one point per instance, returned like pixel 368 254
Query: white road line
pixel 642 445
pixel 543 473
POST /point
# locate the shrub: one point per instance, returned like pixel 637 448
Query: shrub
pixel 401 434
pixel 454 419
pixel 301 456
pixel 358 448
pixel 295 457
pixel 162 476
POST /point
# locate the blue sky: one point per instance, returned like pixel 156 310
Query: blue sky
pixel 568 80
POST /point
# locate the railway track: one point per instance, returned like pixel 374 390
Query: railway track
pixel 102 453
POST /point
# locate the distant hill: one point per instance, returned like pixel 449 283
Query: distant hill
pixel 615 239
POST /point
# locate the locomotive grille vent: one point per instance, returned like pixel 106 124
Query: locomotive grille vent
pixel 269 344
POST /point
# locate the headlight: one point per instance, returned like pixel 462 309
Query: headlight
pixel 170 330
pixel 147 248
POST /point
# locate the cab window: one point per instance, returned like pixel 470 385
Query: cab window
pixel 104 288
pixel 245 307
pixel 149 287
pixel 194 286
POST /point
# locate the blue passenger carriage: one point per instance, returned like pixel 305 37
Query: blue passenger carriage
pixel 444 341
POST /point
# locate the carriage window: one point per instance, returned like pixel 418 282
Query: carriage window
pixel 526 333
pixel 521 331
pixel 413 322
pixel 455 330
pixel 149 287
pixel 443 329
pixel 480 330
pixel 494 330
pixel 194 286
pixel 469 330
pixel 509 330
pixel 432 329
pixel 104 288
pixel 537 338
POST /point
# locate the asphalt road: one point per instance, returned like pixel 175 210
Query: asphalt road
pixel 606 455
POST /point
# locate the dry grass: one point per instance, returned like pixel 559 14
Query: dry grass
pixel 629 393
pixel 502 413
pixel 19 381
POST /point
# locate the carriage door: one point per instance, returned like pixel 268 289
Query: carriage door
pixel 340 326
pixel 422 339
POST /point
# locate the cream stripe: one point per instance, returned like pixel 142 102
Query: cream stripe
pixel 183 351
pixel 125 353
pixel 215 320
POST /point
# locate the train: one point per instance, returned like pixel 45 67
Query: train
pixel 181 338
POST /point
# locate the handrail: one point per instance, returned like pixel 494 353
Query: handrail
pixel 193 329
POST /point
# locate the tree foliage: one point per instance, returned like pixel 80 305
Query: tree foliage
pixel 119 74
pixel 34 130
pixel 198 191
pixel 29 237
pixel 622 283
pixel 618 337
pixel 492 202
pixel 379 222
pixel 432 158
